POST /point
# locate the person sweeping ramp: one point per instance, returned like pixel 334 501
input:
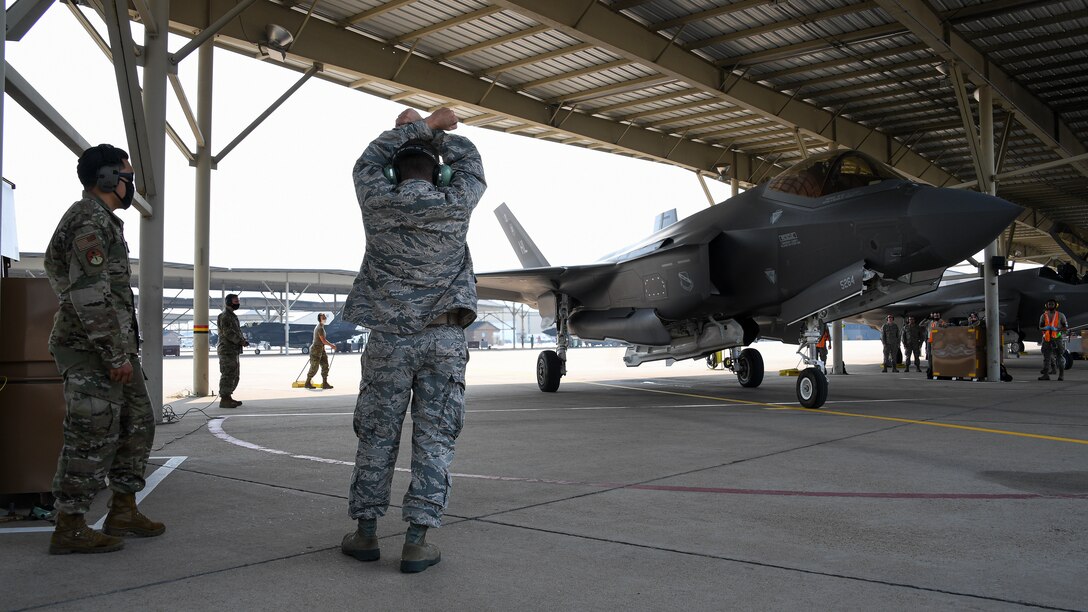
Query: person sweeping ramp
pixel 318 356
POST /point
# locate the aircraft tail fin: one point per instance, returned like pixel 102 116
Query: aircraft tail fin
pixel 528 253
pixel 664 219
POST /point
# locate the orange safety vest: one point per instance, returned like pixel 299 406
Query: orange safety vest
pixel 1052 322
pixel 822 342
pixel 933 326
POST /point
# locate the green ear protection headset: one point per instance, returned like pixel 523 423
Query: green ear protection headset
pixel 442 172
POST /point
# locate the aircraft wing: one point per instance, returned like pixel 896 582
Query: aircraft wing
pixel 526 286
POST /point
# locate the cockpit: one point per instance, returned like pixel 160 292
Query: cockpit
pixel 831 172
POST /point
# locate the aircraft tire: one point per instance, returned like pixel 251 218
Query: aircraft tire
pixel 257 351
pixel 1018 346
pixel 548 371
pixel 811 388
pixel 1068 360
pixel 749 368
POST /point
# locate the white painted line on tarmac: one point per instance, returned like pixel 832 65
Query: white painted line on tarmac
pixel 149 485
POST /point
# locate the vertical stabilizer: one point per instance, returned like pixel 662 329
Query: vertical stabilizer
pixel 528 253
pixel 664 219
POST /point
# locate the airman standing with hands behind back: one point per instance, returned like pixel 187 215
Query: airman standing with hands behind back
pixel 109 424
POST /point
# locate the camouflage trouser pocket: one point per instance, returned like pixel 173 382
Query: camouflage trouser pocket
pixel 90 420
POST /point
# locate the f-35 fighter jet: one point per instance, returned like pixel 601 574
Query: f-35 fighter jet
pixel 835 235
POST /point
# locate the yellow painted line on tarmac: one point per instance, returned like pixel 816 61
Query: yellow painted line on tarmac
pixel 1002 432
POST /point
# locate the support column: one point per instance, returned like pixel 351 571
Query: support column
pixel 152 229
pixel 987 184
pixel 836 347
pixel 3 77
pixel 202 221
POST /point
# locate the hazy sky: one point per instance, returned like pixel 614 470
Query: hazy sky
pixel 284 197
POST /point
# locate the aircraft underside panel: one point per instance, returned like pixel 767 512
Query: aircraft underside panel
pixel 713 337
pixel 635 325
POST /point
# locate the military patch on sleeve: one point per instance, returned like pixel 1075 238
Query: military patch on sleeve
pixel 87 241
pixel 95 257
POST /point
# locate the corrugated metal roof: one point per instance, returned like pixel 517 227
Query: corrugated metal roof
pixel 721 85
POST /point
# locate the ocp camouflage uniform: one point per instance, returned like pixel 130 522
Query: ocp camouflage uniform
pixel 913 338
pixel 889 336
pixel 318 358
pixel 109 426
pixel 416 292
pixel 229 350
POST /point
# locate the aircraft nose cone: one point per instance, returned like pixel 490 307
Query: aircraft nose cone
pixel 956 224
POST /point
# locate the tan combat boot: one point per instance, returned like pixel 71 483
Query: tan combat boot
pixel 125 519
pixel 325 383
pixel 72 535
pixel 417 555
pixel 227 401
pixel 309 384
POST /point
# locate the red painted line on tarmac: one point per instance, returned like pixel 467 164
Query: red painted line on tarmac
pixel 728 491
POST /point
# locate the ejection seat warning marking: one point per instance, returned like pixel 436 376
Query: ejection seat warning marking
pixel 149 485
pixel 788 239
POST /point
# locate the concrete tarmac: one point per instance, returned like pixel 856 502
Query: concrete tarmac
pixel 652 488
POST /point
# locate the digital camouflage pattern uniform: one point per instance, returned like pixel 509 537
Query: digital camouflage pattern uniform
pixel 889 336
pixel 229 349
pixel 914 335
pixel 416 268
pixel 109 426
pixel 1053 344
pixel 318 358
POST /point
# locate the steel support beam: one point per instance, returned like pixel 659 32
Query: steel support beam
pixel 152 228
pixel 132 108
pixel 267 112
pixel 209 31
pixel 22 16
pixel 945 42
pixel 989 272
pixel 348 51
pixel 202 220
pixel 624 37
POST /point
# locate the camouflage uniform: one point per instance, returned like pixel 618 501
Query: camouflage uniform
pixel 229 349
pixel 317 353
pixel 1054 346
pixel 913 338
pixel 109 426
pixel 889 336
pixel 416 292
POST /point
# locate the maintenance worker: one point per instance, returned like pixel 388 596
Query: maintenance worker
pixel 823 344
pixel 416 293
pixel 229 350
pixel 973 320
pixel 913 337
pixel 109 424
pixel 318 356
pixel 1053 325
pixel 889 337
pixel 935 323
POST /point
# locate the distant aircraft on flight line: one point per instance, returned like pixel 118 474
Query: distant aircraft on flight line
pixel 302 335
pixel 835 235
pixel 1021 298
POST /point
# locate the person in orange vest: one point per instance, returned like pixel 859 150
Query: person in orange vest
pixel 823 344
pixel 1053 324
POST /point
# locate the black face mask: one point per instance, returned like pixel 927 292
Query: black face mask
pixel 233 306
pixel 130 191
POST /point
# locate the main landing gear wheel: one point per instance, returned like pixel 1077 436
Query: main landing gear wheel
pixel 548 371
pixel 811 388
pixel 749 368
pixel 1068 360
pixel 1018 347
